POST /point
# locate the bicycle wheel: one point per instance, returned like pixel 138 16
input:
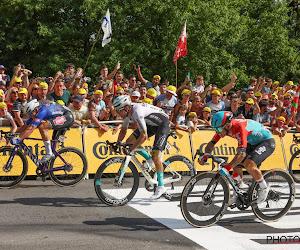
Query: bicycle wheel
pixel 72 172
pixel 205 199
pixel 14 173
pixel 280 198
pixel 294 166
pixel 106 182
pixel 182 166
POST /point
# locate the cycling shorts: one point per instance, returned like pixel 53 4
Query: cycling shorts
pixel 60 122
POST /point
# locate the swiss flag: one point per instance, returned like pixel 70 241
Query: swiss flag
pixel 181 49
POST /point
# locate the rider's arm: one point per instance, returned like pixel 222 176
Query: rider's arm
pixel 27 132
pixel 238 158
pixel 122 134
pixel 142 138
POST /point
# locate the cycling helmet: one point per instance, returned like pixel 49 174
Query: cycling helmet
pixel 122 101
pixel 219 120
pixel 31 106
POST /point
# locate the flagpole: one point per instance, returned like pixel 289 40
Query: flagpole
pixel 176 73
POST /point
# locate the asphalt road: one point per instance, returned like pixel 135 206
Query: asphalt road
pixel 37 215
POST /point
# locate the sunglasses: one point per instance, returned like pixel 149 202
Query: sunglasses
pixel 286 98
pixel 134 97
pixel 14 92
pixel 219 129
pixel 119 110
pixel 35 88
pixel 118 93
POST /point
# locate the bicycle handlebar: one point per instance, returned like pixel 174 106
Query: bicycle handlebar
pixel 9 135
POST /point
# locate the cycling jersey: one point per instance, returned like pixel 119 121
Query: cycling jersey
pixel 247 131
pixel 49 111
pixel 145 114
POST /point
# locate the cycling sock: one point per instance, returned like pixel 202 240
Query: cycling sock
pixel 160 178
pixel 144 154
pixel 262 183
pixel 48 147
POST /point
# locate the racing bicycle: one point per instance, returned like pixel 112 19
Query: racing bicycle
pixel 67 168
pixel 117 179
pixel 205 197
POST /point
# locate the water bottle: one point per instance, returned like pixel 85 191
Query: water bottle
pixel 237 178
pixel 224 171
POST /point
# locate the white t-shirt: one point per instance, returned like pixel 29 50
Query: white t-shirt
pixel 180 119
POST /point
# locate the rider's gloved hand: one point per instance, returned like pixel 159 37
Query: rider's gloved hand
pixel 14 141
pixel 202 159
pixel 126 151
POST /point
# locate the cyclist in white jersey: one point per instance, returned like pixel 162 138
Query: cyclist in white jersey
pixel 151 121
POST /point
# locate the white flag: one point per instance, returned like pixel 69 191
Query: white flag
pixel 106 27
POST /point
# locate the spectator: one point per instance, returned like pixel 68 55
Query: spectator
pixel 180 120
pixel 74 90
pixel 109 106
pixel 205 117
pixel 83 93
pixel 250 93
pixel 117 82
pixel 148 100
pixel 33 89
pixel 192 121
pixel 119 91
pixel 258 96
pixel 195 92
pixel 167 101
pixel 104 72
pixel 272 102
pixel 125 87
pixel 96 108
pixel 252 82
pixel 199 84
pixel 135 96
pixel 151 94
pixel 42 94
pixel 263 116
pixel 132 83
pixel 197 106
pixel 247 110
pixel 185 100
pixel 4 79
pixel 162 87
pixel 267 88
pixel 69 72
pixel 79 110
pixel 6 115
pixel 279 128
pixel 153 84
pixel 287 102
pixel 234 106
pixel 18 107
pixel 17 83
pixel 11 96
pixel 143 91
pixel 216 104
pixel 60 93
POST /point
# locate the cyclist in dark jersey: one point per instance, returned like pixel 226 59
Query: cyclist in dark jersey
pixel 44 117
pixel 255 144
pixel 151 121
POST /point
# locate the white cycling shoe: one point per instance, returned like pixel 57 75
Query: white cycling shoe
pixel 158 193
pixel 262 194
pixel 46 158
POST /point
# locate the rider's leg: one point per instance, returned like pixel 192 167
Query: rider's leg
pixel 43 128
pixel 159 167
pixel 252 169
pixel 131 139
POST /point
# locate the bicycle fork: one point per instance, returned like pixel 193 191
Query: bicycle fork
pixel 8 166
pixel 124 167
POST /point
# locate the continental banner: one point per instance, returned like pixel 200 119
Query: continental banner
pixel 97 151
pixel 38 148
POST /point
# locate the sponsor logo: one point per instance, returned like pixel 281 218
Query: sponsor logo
pixel 261 150
pixel 37 120
pixel 284 239
pixel 59 120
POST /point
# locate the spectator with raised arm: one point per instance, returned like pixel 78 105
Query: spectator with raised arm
pixel 42 94
pixel 199 84
pixel 263 116
pixel 155 80
pixel 17 109
pixel 205 117
pixel 132 83
pixel 234 106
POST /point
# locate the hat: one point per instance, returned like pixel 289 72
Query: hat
pixel 2 67
pixel 136 93
pixel 279 88
pixel 281 118
pixel 156 76
pixel 119 88
pixel 275 96
pixel 98 92
pixel 250 101
pixel 265 96
pixel 85 85
pixel 195 89
pixel 22 90
pixel 70 65
pixel 290 83
pixel 147 100
pixel 17 79
pixel 287 94
pixel 171 89
pixel 43 85
pixel 81 91
pixel 3 105
pixel 186 92
pixel 207 109
pixel 152 92
pixel 216 92
pixel 60 102
pixel 78 98
pixel 1 92
pixel 192 114
pixel 276 82
pixel 258 94
pixel 220 90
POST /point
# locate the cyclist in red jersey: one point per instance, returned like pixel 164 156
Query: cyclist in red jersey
pixel 255 144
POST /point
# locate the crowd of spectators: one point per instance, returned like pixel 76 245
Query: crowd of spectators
pixel 188 106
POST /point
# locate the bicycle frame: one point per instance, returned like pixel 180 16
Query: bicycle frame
pixel 34 158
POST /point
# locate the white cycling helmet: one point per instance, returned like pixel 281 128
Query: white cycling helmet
pixel 31 106
pixel 122 101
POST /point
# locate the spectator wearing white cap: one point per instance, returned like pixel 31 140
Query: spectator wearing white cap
pixel 167 101
pixel 135 96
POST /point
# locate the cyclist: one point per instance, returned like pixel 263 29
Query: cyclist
pixel 255 144
pixel 151 121
pixel 44 117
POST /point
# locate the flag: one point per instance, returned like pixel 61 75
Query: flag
pixel 106 27
pixel 295 101
pixel 181 49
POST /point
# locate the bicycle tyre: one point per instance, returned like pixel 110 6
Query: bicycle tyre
pixel 211 211
pixel 281 191
pixel 294 166
pixel 105 182
pixel 183 166
pixel 18 171
pixel 69 177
